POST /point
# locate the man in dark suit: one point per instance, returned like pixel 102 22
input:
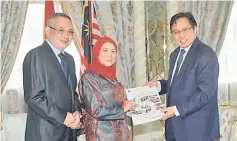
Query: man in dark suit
pixel 49 85
pixel 192 106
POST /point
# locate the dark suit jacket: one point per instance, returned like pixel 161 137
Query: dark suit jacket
pixel 48 95
pixel 194 92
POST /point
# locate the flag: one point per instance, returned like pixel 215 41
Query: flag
pixel 48 11
pixel 90 34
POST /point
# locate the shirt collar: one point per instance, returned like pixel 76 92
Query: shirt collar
pixel 55 50
pixel 187 48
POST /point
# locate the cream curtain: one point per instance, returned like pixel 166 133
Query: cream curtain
pixel 13 15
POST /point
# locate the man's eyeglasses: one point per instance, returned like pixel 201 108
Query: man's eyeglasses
pixel 183 31
pixel 61 31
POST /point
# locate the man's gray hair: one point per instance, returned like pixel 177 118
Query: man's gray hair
pixel 53 16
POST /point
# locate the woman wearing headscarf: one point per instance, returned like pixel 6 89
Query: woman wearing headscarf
pixel 103 96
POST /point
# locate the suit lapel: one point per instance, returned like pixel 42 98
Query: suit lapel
pixel 173 58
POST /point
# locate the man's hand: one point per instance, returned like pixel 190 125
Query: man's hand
pixel 151 83
pixel 169 113
pixel 69 119
pixel 77 123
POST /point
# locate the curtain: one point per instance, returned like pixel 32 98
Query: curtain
pixel 139 45
pixel 13 15
pixel 227 93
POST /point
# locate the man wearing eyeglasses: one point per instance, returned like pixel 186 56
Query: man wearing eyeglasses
pixel 49 85
pixel 192 107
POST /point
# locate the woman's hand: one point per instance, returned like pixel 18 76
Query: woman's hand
pixel 128 105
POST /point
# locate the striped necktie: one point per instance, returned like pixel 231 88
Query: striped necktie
pixel 65 69
pixel 180 59
pixel 64 64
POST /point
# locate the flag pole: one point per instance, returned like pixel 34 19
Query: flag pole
pixel 90 27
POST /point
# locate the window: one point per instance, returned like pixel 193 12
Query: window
pixel 227 61
pixel 228 54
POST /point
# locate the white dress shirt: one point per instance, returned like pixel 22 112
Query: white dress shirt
pixel 55 50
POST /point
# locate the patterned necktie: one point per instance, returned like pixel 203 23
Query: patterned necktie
pixel 64 64
pixel 180 59
pixel 67 75
pixel 65 69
